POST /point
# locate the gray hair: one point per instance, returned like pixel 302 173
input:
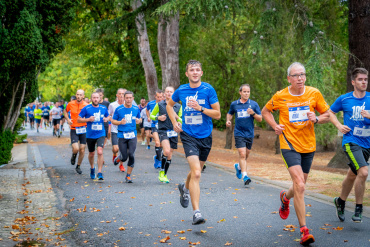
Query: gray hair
pixel 294 65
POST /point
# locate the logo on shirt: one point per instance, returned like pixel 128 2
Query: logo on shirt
pixel 97 116
pixel 195 97
pixel 128 118
pixel 356 113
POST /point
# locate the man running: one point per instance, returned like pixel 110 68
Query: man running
pixel 141 106
pixel 200 105
pixel 297 104
pixel 45 114
pixel 167 135
pixel 246 111
pixel 31 116
pixel 94 115
pixel 56 114
pixel 106 104
pixel 78 130
pixel 38 114
pixel 126 117
pixel 62 119
pixel 356 140
pixel 114 128
pixel 149 108
pixel 147 127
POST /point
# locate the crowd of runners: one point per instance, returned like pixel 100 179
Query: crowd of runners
pixel 188 112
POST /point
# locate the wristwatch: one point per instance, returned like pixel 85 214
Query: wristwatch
pixel 202 109
pixel 253 114
pixel 317 120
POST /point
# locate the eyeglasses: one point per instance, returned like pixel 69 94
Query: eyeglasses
pixel 303 75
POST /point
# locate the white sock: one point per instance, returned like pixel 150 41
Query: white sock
pixel 186 190
pixel 238 166
pixel 244 174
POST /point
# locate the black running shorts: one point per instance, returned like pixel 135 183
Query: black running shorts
pixel 357 156
pixel 173 140
pixel 196 146
pixel 114 138
pixel 92 142
pixel 242 142
pixel 293 158
pixel 56 121
pixel 77 138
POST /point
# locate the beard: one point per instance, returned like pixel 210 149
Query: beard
pixel 95 104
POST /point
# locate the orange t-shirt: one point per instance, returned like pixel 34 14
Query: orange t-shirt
pixel 299 133
pixel 74 110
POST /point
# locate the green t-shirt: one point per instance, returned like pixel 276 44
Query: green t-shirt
pixel 38 113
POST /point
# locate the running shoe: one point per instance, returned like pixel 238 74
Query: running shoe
pixel 128 179
pixel 157 163
pixel 58 136
pixel 73 159
pixel 78 169
pixel 143 143
pixel 357 217
pixel 122 168
pixel 306 237
pixel 92 173
pixel 284 208
pixel 204 167
pixel 340 209
pixel 116 161
pixel 161 176
pixel 165 179
pixel 148 147
pixel 100 176
pixel 238 171
pixel 184 197
pixel 198 219
pixel 246 180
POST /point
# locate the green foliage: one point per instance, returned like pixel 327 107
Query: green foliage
pixel 18 138
pixel 6 145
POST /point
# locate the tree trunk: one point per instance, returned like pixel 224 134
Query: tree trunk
pixel 145 54
pixel 340 159
pixel 168 49
pixel 277 145
pixel 10 110
pixel 229 136
pixel 18 109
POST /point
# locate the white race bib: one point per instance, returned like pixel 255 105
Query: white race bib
pixel 156 125
pixel 80 130
pixel 171 133
pixel 361 132
pixel 243 114
pixel 96 126
pixel 298 114
pixel 194 119
pixel 129 135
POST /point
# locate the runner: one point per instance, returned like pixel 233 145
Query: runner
pixel 149 108
pixel 200 104
pixel 106 104
pixel 38 114
pixel 94 115
pixel 87 100
pixel 45 114
pixel 31 116
pixel 78 130
pixel 147 127
pixel 126 117
pixel 26 110
pixel 167 135
pixel 142 131
pixel 246 111
pixel 356 140
pixel 56 114
pixel 297 104
pixel 114 128
pixel 62 119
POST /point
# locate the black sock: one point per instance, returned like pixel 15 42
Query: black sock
pixel 158 152
pixel 359 206
pixel 168 163
pixel 74 156
pixel 340 201
pixel 164 160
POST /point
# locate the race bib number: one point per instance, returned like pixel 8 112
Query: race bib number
pixel 298 114
pixel 194 119
pixel 80 130
pixel 243 114
pixel 171 133
pixel 97 126
pixel 361 132
pixel 129 135
pixel 46 113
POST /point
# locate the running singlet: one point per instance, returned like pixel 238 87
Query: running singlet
pixel 244 123
pixel 150 106
pixel 73 108
pixel 160 109
pixel 195 123
pixel 38 113
pixel 94 129
pixel 299 133
pixel 128 130
pixel 360 126
pixel 45 111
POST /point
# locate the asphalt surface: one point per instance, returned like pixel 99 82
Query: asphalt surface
pixel 149 211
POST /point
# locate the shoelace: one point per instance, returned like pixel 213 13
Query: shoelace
pixel 186 196
pixel 198 215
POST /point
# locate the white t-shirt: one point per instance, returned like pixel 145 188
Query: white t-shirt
pixel 111 109
pixel 57 110
pixel 145 118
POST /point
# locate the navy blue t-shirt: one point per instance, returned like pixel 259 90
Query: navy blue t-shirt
pixel 45 110
pixel 150 106
pixel 94 130
pixel 130 114
pixel 196 123
pixel 244 123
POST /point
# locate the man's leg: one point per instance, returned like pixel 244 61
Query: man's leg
pixel 360 184
pixel 81 154
pixel 192 180
pixel 166 151
pixel 347 184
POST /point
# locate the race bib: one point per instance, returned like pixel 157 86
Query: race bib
pixel 243 114
pixel 46 113
pixel 129 135
pixel 156 125
pixel 361 132
pixel 194 118
pixel 171 133
pixel 298 114
pixel 80 130
pixel 96 126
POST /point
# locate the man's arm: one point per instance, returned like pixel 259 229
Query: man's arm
pixel 65 113
pixel 269 118
pixel 153 114
pixel 344 129
pixel 172 115
pixel 229 117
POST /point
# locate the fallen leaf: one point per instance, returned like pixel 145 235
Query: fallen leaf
pixel 203 231
pixel 121 228
pixel 275 212
pixel 166 232
pixel 133 197
pixel 308 205
pixel 181 232
pixel 228 244
pixel 290 226
pixel 84 209
pixel 189 230
pixel 164 240
pixel 297 240
pixel 182 238
pixel 338 228
pixel 221 220
pixel 345 241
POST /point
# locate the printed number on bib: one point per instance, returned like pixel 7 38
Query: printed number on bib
pixel 194 118
pixel 361 132
pixel 171 133
pixel 298 114
pixel 129 135
pixel 97 126
pixel 80 130
pixel 243 114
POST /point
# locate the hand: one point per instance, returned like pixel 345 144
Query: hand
pixel 106 119
pixel 250 111
pixel 91 119
pixel 162 118
pixel 344 129
pixel 138 120
pixel 194 104
pixel 177 127
pixel 228 123
pixel 279 129
pixel 365 114
pixel 123 121
pixel 311 116
pixel 70 122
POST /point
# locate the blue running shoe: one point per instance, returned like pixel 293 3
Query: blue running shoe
pixel 92 173
pixel 148 147
pixel 247 180
pixel 159 164
pixel 238 171
pixel 155 161
pixel 100 176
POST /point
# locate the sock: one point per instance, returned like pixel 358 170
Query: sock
pixel 340 201
pixel 164 160
pixel 74 155
pixel 359 206
pixel 167 165
pixel 196 211
pixel 128 175
pixel 302 227
pixel 158 152
pixel 186 190
pixel 244 174
pixel 239 167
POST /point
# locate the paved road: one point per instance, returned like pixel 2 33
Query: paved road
pixel 243 216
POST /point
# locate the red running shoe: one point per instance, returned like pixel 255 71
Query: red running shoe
pixel 284 207
pixel 122 168
pixel 306 237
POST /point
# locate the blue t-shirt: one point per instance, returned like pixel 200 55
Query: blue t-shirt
pixel 94 130
pixel 30 111
pixel 195 123
pixel 26 110
pixel 244 123
pixel 360 126
pixel 150 106
pixel 45 110
pixel 130 114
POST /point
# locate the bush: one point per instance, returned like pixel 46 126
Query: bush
pixel 18 127
pixel 6 145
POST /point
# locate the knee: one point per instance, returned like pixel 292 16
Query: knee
pixel 362 173
pixel 100 152
pixel 196 174
pixel 299 187
pixel 115 149
pixel 157 144
pixel 91 154
pixel 166 153
pixel 82 150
